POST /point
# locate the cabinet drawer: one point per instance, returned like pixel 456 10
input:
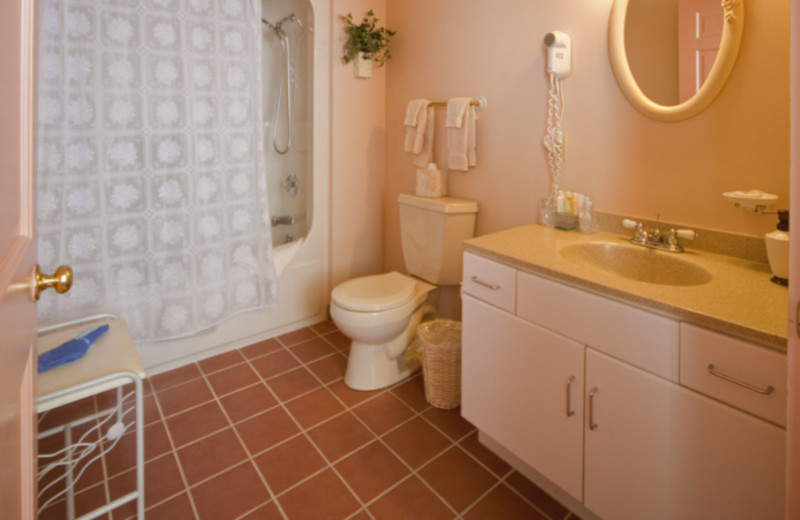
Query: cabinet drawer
pixel 638 337
pixel 744 372
pixel 491 282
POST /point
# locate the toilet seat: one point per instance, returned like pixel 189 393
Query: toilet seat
pixel 375 292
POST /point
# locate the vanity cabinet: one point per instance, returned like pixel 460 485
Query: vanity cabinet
pixel 638 443
pixel 523 386
pixel 659 451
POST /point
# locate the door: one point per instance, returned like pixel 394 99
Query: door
pixel 658 451
pixel 699 35
pixel 522 386
pixel 793 407
pixel 17 258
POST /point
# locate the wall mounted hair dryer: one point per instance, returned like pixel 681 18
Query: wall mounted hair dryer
pixel 559 53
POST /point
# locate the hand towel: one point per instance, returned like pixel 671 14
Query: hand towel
pixel 425 154
pixel 461 122
pixel 416 121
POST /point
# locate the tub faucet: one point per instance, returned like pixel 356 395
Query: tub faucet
pixel 655 239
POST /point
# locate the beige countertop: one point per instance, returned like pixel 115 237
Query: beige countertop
pixel 739 299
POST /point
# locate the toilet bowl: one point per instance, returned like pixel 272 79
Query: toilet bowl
pixel 380 314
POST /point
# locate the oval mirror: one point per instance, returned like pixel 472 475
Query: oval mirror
pixel 678 75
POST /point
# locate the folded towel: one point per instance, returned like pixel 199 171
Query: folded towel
pixel 71 350
pixel 461 122
pixel 416 121
pixel 425 153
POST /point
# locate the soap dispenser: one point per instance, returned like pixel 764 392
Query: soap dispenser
pixel 778 249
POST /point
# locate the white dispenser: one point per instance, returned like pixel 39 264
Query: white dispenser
pixel 778 249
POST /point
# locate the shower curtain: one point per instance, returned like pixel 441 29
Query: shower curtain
pixel 150 179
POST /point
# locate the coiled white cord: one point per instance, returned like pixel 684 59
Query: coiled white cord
pixel 554 137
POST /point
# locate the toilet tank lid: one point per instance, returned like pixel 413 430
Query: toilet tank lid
pixel 440 204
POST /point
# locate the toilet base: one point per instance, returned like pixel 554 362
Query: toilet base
pixel 369 367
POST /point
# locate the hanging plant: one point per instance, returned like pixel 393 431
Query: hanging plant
pixel 366 38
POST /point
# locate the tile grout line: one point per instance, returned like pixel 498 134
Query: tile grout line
pixel 174 450
pixel 412 471
pixel 304 432
pixel 249 457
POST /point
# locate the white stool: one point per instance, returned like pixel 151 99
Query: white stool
pixel 110 363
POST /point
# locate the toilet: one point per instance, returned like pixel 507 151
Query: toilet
pixel 380 313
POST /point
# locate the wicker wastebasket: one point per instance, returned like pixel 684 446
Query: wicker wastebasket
pixel 440 352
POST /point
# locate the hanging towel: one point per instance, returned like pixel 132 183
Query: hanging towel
pixel 416 121
pixel 461 122
pixel 425 155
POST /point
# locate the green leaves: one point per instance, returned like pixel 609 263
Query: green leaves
pixel 366 37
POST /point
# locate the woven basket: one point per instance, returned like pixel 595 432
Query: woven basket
pixel 440 352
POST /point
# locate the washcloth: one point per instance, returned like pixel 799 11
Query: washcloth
pixel 461 122
pixel 71 350
pixel 416 120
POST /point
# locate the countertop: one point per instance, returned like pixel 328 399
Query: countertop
pixel 739 300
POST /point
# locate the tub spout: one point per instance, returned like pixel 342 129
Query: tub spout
pixel 287 220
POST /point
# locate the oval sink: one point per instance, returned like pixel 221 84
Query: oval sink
pixel 637 263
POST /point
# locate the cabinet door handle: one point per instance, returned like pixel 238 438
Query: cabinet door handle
pixel 478 281
pixel 592 424
pixel 570 411
pixel 764 391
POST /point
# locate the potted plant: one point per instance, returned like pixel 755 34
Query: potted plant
pixel 366 42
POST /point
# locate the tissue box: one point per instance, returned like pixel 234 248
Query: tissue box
pixel 431 182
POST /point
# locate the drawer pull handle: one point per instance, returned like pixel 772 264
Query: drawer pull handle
pixel 765 391
pixel 592 424
pixel 570 411
pixel 485 284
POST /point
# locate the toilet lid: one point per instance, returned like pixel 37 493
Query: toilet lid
pixel 374 293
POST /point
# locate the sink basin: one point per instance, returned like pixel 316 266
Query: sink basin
pixel 637 263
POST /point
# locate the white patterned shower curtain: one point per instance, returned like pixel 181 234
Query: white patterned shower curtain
pixel 151 183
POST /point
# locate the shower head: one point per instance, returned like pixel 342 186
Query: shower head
pixel 275 28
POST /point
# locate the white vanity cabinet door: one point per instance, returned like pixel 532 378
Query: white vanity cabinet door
pixel 661 452
pixel 515 383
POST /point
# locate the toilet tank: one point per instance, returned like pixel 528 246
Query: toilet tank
pixel 432 231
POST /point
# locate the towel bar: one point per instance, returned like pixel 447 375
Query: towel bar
pixel 479 102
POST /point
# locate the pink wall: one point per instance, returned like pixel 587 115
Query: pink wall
pixel 358 155
pixel 628 164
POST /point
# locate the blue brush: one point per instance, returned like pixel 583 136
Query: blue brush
pixel 71 350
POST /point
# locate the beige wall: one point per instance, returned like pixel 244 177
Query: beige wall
pixel 624 161
pixel 358 155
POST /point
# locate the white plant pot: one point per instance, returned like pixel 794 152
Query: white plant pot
pixel 363 66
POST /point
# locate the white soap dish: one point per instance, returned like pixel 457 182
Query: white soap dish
pixel 751 200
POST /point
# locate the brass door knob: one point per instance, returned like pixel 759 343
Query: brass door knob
pixel 61 280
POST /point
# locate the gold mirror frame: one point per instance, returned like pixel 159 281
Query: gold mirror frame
pixel 720 71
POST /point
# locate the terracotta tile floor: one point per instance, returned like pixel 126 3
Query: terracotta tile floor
pixel 271 431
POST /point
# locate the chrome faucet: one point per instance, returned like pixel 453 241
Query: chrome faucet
pixel 655 239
